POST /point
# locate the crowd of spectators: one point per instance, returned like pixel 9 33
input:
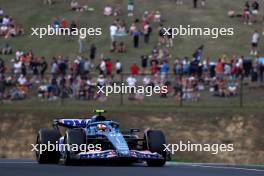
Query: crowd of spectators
pixel 63 77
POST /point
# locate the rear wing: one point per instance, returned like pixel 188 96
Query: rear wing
pixel 71 123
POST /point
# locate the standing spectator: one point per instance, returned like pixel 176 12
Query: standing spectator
pixel 255 11
pixel 219 69
pixel 134 69
pixel 2 66
pixel 118 67
pixel 136 35
pixel 146 31
pixel 247 13
pixel 203 3
pixel 81 44
pixel 109 66
pixel 261 71
pixel 163 71
pixel 54 67
pixel 130 7
pixel 113 31
pixel 195 4
pixel 102 67
pixel 131 81
pixel 161 35
pixel 92 54
pixel 254 43
pixel 144 63
pixel 43 67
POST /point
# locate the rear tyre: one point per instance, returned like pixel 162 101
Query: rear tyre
pixel 154 141
pixel 44 136
pixel 72 137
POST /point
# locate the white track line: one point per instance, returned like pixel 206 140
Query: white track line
pixel 227 167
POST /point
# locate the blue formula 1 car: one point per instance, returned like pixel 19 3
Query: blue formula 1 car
pixel 105 139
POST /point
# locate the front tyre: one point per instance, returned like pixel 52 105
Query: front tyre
pixel 155 140
pixel 44 137
pixel 72 137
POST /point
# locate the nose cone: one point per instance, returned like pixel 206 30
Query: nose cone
pixel 119 143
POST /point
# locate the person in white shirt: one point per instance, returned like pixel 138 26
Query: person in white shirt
pixel 22 81
pixel 1 12
pixel 254 43
pixel 102 67
pixel 113 30
pixel 5 20
pixel 118 67
pixel 17 67
pixel 131 81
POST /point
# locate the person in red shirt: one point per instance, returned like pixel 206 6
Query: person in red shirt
pixel 109 66
pixel 219 68
pixel 63 23
pixel 134 69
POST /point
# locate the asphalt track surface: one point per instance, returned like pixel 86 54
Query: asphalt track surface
pixel 10 167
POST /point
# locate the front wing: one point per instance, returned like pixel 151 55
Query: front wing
pixel 112 154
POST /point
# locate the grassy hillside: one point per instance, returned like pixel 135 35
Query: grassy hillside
pixel 35 14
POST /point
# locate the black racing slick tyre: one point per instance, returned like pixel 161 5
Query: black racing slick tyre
pixel 72 136
pixel 44 137
pixel 155 140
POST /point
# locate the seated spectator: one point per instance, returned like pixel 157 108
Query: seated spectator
pixel 108 10
pixel 117 10
pixel 134 69
pixel 75 6
pixel 1 12
pixel 6 50
pixel 157 17
pixel 121 48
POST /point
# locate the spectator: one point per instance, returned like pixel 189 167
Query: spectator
pixel 118 67
pixel 136 35
pixel 2 67
pixel 7 50
pixel 108 10
pixel 247 13
pixel 203 3
pixel 43 67
pixel 144 63
pixel 63 23
pixel 255 11
pixel 130 7
pixel 81 44
pixel 109 66
pixel 195 4
pixel 113 31
pixel 92 54
pixel 147 31
pixel 134 69
pixel 254 43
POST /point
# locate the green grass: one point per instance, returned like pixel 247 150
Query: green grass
pixel 35 14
